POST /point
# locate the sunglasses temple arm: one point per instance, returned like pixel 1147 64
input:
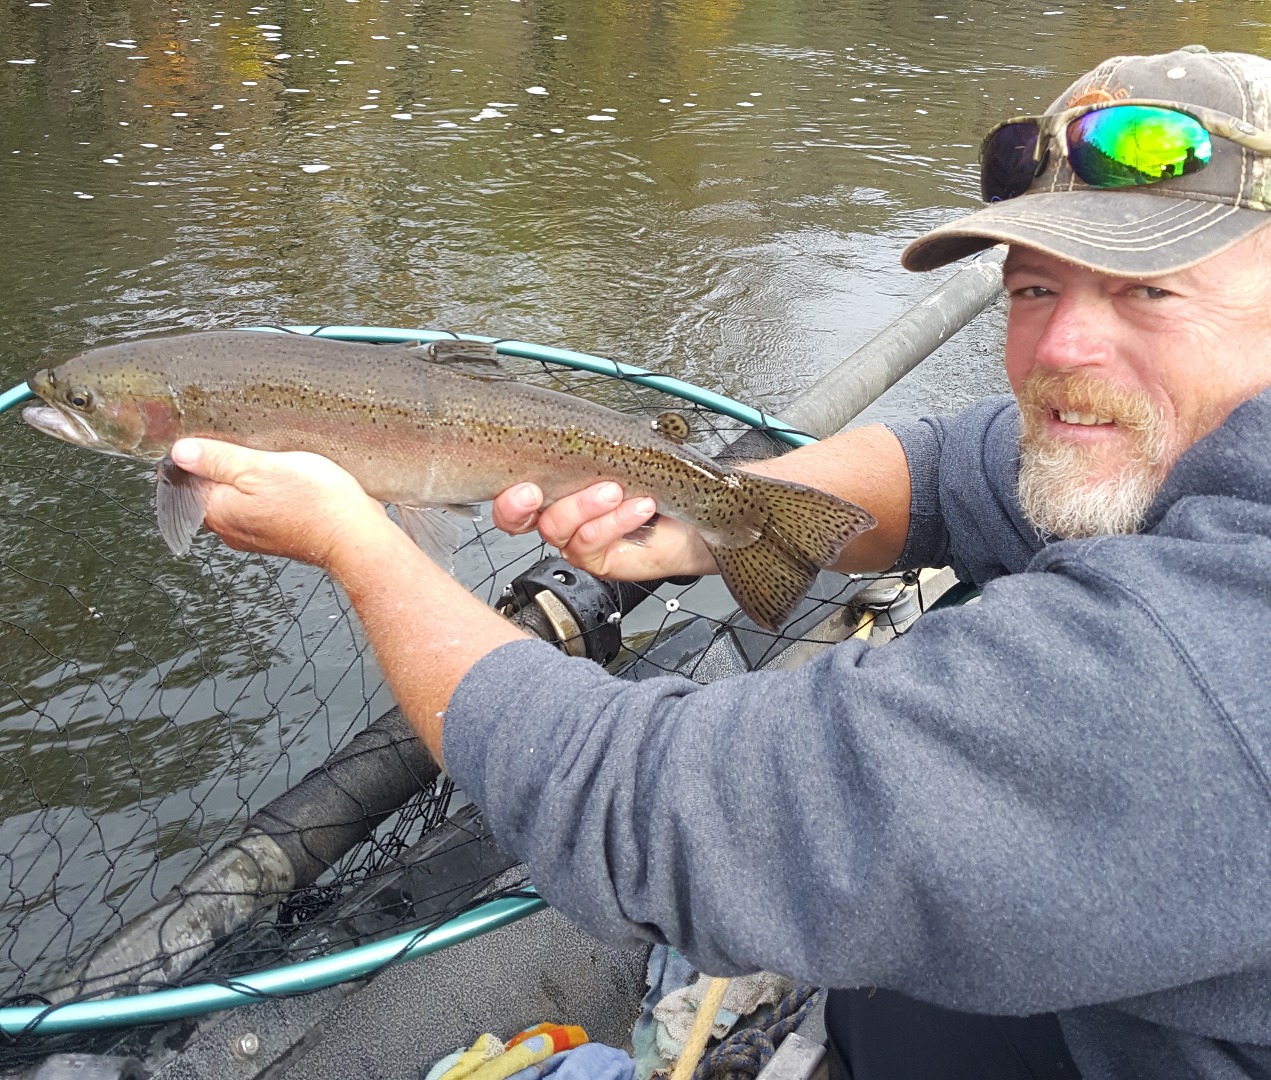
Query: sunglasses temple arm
pixel 1259 142
pixel 1238 132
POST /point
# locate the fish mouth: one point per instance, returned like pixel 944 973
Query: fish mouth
pixel 69 427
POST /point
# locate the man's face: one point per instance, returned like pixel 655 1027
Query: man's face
pixel 1117 377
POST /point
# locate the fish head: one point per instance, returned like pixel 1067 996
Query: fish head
pixel 104 401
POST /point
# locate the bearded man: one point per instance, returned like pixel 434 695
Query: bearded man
pixel 1029 838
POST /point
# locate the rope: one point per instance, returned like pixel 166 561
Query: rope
pixel 696 1043
pixel 744 1053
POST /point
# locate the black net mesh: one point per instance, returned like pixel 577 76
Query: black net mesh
pixel 155 708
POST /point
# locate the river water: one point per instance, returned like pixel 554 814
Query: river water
pixel 714 189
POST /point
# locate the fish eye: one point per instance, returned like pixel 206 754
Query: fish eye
pixel 79 399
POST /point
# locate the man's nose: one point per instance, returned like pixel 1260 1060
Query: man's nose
pixel 1078 333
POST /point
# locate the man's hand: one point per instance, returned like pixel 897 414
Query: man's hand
pixel 599 531
pixel 298 505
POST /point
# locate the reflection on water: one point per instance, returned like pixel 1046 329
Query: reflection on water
pixel 151 702
pixel 714 189
pixel 718 189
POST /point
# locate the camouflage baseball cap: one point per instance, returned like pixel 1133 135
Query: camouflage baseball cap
pixel 1154 229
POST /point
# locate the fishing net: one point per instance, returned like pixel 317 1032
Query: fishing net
pixel 156 709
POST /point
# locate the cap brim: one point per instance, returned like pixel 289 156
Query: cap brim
pixel 1125 233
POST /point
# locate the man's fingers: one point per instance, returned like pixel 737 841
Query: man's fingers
pixel 515 510
pixel 560 521
pixel 254 470
pixel 625 518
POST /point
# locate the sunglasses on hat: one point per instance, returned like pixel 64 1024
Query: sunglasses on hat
pixel 1109 144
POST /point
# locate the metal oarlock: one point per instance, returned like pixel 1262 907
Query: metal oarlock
pixel 581 613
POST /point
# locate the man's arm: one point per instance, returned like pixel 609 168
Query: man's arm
pixel 426 629
pixel 592 529
pixel 977 814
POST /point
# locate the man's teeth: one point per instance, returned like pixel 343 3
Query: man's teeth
pixel 1084 418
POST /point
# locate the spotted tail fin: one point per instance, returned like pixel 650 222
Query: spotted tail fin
pixel 803 531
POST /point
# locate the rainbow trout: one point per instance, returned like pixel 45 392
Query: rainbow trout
pixel 427 427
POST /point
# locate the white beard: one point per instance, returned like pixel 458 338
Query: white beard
pixel 1058 499
pixel 1070 490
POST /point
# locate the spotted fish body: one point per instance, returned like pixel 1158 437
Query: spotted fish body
pixel 430 426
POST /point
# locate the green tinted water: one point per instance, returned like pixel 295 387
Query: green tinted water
pixel 713 187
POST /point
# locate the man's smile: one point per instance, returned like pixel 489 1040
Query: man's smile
pixel 1083 419
pixel 1072 424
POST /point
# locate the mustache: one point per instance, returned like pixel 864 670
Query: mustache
pixel 1044 392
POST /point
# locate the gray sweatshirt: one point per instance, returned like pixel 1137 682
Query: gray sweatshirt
pixel 1057 799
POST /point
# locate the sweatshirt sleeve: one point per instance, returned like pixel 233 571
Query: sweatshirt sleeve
pixel 952 815
pixel 963 511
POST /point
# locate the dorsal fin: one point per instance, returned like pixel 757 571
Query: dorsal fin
pixel 478 358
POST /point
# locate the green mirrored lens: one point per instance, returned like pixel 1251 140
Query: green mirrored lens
pixel 1128 145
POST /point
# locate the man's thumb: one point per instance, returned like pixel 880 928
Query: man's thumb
pixel 219 461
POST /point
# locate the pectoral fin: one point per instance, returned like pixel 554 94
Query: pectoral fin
pixel 436 532
pixel 181 501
